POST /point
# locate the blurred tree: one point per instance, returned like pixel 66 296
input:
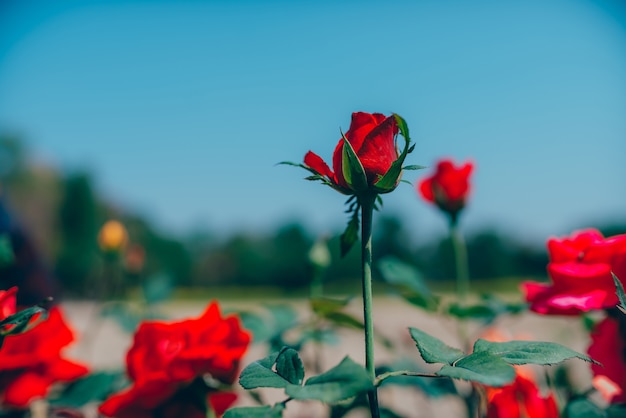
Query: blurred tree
pixel 79 220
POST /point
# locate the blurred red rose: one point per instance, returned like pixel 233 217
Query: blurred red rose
pixel 580 268
pixel 8 302
pixel 168 358
pixel 608 346
pixel 521 399
pixel 448 187
pixel 372 137
pixel 31 362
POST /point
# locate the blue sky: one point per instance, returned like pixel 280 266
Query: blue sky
pixel 181 110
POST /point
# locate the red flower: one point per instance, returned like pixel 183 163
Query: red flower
pixel 580 268
pixel 372 137
pixel 167 358
pixel 448 187
pixel 8 302
pixel 521 399
pixel 31 362
pixel 608 346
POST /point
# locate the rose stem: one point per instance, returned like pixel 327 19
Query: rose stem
pixel 367 211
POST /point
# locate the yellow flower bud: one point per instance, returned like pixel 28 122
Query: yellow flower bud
pixel 112 236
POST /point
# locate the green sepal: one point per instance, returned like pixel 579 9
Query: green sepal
pixel 317 176
pixel 351 167
pixel 414 167
pixel 390 180
pixel 620 293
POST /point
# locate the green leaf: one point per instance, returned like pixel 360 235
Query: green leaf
pixel 127 318
pixel 529 352
pixel 472 312
pixel 21 320
pixel 7 257
pixel 433 350
pixel 351 234
pixel 480 367
pixel 256 324
pixel 414 167
pixel 264 411
pixel 620 293
pixel 259 374
pixel 389 181
pixel 94 387
pixel 157 288
pixel 583 408
pixel 615 411
pixel 399 273
pixel 352 169
pixel 409 281
pixel 289 366
pixel 322 306
pixel 344 381
pixel 345 320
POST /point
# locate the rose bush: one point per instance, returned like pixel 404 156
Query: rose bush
pixel 580 268
pixel 372 137
pixel 167 363
pixel 448 187
pixel 32 361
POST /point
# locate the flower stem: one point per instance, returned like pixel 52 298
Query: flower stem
pixel 367 212
pixel 460 262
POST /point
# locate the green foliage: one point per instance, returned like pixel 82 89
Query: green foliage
pixel 583 408
pixel 344 381
pixel 284 370
pixel 490 362
pixel 264 411
pixel 480 367
pixel 157 288
pixel 289 366
pixel 92 388
pixel 331 310
pixel 529 352
pixel 433 350
pixel 6 251
pixel 489 308
pixel 409 281
pixel 260 374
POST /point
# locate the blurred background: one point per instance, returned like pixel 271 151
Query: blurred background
pixel 170 116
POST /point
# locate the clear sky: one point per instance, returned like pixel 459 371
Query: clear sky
pixel 181 109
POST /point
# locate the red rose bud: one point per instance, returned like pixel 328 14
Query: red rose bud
pixel 366 159
pixel 448 187
pixel 580 268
